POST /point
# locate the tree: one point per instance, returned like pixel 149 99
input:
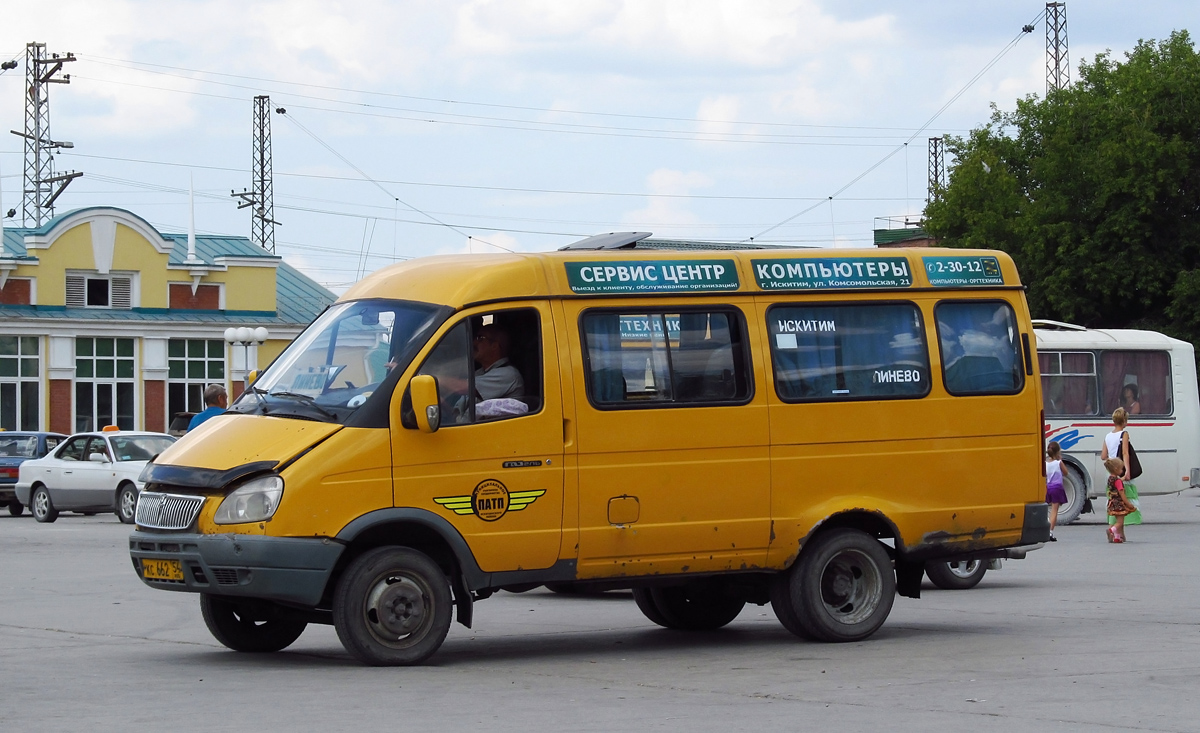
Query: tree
pixel 1094 191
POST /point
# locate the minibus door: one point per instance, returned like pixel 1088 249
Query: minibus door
pixel 494 471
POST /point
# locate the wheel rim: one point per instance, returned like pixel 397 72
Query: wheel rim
pixel 399 609
pixel 41 503
pixel 851 587
pixel 963 568
pixel 128 503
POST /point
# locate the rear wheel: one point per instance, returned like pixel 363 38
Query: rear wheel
pixel 392 607
pixel 841 588
pixel 126 503
pixel 958 575
pixel 16 508
pixel 41 505
pixel 248 626
pixel 689 608
pixel 1076 491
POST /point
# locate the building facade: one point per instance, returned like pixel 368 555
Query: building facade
pixel 105 320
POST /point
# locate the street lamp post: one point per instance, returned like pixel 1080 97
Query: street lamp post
pixel 246 337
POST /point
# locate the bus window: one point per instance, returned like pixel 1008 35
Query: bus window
pixel 648 359
pixel 1139 381
pixel 981 352
pixel 1068 382
pixel 848 352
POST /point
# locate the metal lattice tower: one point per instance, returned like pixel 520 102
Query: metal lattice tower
pixel 41 186
pixel 937 166
pixel 261 199
pixel 1058 61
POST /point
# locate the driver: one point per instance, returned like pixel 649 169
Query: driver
pixel 496 377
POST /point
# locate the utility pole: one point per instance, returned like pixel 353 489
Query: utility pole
pixel 937 166
pixel 261 199
pixel 1058 61
pixel 42 186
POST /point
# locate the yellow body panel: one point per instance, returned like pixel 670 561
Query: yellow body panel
pixel 230 440
pixel 629 492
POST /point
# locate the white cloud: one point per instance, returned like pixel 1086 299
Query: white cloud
pixel 669 212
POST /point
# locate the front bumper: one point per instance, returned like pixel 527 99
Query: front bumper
pixel 291 570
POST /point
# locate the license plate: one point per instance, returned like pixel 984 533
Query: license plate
pixel 162 570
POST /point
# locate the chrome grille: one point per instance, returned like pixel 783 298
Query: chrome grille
pixel 167 511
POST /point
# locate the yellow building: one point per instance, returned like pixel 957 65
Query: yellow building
pixel 106 320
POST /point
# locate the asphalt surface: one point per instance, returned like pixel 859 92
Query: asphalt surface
pixel 1080 636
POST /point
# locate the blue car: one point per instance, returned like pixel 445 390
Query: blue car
pixel 15 449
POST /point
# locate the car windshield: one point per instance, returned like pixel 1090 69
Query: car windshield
pixel 139 447
pixel 334 367
pixel 18 446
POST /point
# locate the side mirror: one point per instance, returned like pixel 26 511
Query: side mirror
pixel 426 404
pixel 98 458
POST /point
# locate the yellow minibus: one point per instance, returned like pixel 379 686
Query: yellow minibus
pixel 706 426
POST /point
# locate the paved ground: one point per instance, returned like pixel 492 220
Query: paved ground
pixel 1082 635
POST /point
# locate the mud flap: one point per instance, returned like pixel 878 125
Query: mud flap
pixel 463 600
pixel 908 578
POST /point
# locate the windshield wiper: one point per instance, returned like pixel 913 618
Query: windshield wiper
pixel 306 399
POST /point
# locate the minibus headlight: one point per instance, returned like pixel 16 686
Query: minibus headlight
pixel 253 501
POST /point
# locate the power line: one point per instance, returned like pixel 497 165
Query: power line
pixel 502 189
pixel 132 65
pixel 987 67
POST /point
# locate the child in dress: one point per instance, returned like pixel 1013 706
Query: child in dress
pixel 1055 495
pixel 1118 504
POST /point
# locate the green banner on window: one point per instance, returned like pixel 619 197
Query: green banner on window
pixel 832 273
pixel 960 271
pixel 652 276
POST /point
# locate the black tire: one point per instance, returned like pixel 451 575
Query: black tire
pixel 841 588
pixel 87 514
pixel 645 603
pixel 566 589
pixel 782 606
pixel 16 508
pixel 126 503
pixel 41 506
pixel 690 608
pixel 248 626
pixel 957 575
pixel 1076 491
pixel 392 607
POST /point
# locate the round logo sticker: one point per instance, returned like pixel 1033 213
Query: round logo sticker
pixel 490 500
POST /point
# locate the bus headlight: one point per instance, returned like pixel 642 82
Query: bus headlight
pixel 253 501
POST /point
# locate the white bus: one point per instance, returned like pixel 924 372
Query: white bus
pixel 1086 374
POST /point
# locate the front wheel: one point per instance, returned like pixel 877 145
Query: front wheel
pixel 41 505
pixel 841 588
pixel 248 626
pixel 1076 490
pixel 126 503
pixel 16 508
pixel 392 607
pixel 958 575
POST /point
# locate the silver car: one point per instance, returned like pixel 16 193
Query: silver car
pixel 89 473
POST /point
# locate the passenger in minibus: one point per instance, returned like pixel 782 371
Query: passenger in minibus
pixel 1129 399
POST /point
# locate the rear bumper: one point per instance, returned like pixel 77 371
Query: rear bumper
pixel 285 569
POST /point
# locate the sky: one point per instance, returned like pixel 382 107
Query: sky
pixel 420 127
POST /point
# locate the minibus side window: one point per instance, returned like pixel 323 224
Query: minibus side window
pixel 1139 381
pixel 656 359
pixel 488 367
pixel 848 352
pixel 1068 382
pixel 981 348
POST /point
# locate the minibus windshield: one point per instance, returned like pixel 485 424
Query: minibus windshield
pixel 334 367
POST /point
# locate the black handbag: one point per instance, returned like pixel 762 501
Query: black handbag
pixel 1135 466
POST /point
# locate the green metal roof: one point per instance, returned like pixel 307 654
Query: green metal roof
pixel 892 236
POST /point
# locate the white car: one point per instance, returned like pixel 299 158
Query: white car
pixel 89 473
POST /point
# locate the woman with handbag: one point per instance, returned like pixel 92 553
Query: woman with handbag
pixel 1117 445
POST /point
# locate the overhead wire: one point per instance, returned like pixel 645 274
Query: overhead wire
pixel 987 67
